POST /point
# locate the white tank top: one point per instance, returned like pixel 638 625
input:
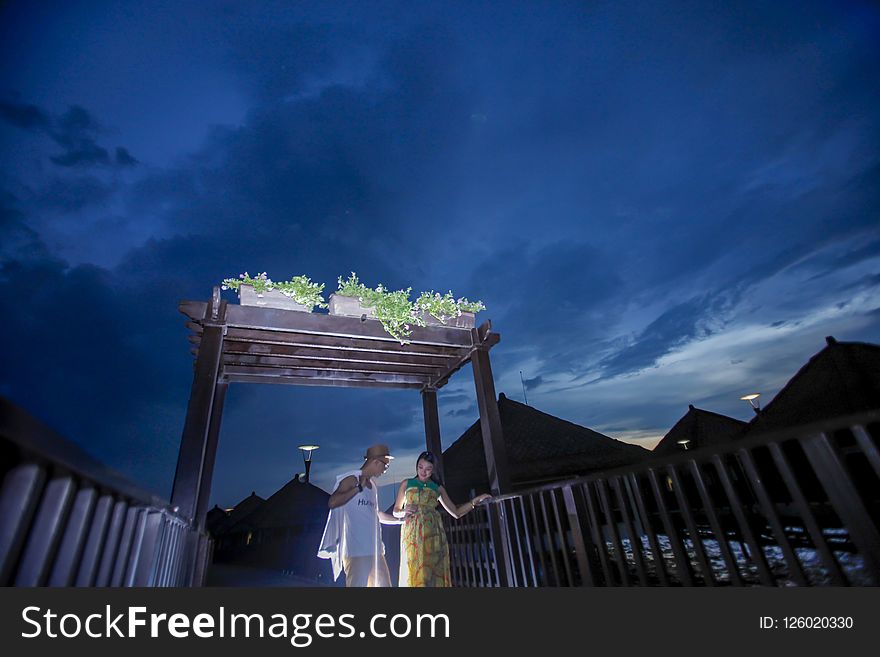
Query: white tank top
pixel 361 534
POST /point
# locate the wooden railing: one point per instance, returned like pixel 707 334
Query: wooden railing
pixel 66 520
pixel 798 507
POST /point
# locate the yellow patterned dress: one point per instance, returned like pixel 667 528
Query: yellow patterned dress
pixel 424 553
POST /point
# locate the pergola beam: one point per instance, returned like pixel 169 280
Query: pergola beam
pixel 233 358
pixel 484 339
pixel 257 318
pixel 302 381
pixel 304 373
pixel 323 353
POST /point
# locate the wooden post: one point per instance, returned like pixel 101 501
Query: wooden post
pixel 193 445
pixel 490 423
pixel 210 455
pixel 432 428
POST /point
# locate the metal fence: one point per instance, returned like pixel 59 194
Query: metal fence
pixel 66 520
pixel 794 508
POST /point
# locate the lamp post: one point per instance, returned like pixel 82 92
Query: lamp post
pixel 307 457
pixel 752 398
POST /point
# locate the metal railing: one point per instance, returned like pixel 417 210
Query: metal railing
pixel 67 520
pixel 798 507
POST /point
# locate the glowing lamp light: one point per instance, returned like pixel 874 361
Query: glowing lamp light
pixel 307 457
pixel 752 398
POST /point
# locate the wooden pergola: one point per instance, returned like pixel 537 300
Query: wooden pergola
pixel 249 344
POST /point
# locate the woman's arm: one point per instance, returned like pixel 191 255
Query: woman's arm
pixel 464 509
pixel 400 502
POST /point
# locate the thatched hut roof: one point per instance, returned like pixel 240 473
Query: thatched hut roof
pixel 540 448
pixel 842 379
pixel 700 428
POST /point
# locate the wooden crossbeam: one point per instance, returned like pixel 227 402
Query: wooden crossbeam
pixel 484 338
pixel 306 373
pixel 314 363
pixel 302 381
pixel 254 317
pixel 351 355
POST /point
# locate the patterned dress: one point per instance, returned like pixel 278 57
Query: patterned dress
pixel 424 554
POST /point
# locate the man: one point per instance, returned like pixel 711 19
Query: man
pixel 352 537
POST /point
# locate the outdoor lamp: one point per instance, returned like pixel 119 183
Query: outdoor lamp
pixel 307 457
pixel 684 443
pixel 752 398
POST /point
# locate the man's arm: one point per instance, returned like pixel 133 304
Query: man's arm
pixel 346 490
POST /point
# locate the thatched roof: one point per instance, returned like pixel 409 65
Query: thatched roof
pixel 700 428
pixel 239 512
pixel 540 448
pixel 295 503
pixel 215 518
pixel 842 379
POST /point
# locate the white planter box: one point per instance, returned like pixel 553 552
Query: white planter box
pixel 349 307
pixel 269 299
pixel 465 320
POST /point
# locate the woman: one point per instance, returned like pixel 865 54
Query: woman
pixel 424 554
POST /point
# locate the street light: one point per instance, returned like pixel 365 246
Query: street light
pixel 307 457
pixel 684 443
pixel 752 398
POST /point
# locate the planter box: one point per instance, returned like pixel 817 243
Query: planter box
pixel 269 299
pixel 465 320
pixel 349 307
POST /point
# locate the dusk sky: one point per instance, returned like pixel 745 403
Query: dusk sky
pixel 659 203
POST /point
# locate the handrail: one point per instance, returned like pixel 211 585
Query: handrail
pixel 66 519
pixel 747 442
pixel 40 441
pixel 799 506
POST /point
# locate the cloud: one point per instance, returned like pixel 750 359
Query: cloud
pixel 674 327
pixel 71 194
pixel 533 383
pixel 124 158
pixel 85 362
pixel 28 117
pixel 75 131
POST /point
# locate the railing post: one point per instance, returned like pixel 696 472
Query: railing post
pixel 500 543
pixel 577 537
pixel 95 541
pixel 845 499
pixel 18 501
pixel 46 532
pixel 72 543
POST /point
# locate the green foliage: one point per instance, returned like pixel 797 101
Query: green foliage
pixel 442 307
pixel 299 288
pixel 470 306
pixel 353 288
pixel 446 306
pixel 302 290
pixel 260 282
pixel 393 309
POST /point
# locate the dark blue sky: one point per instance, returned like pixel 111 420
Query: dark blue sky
pixel 660 204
